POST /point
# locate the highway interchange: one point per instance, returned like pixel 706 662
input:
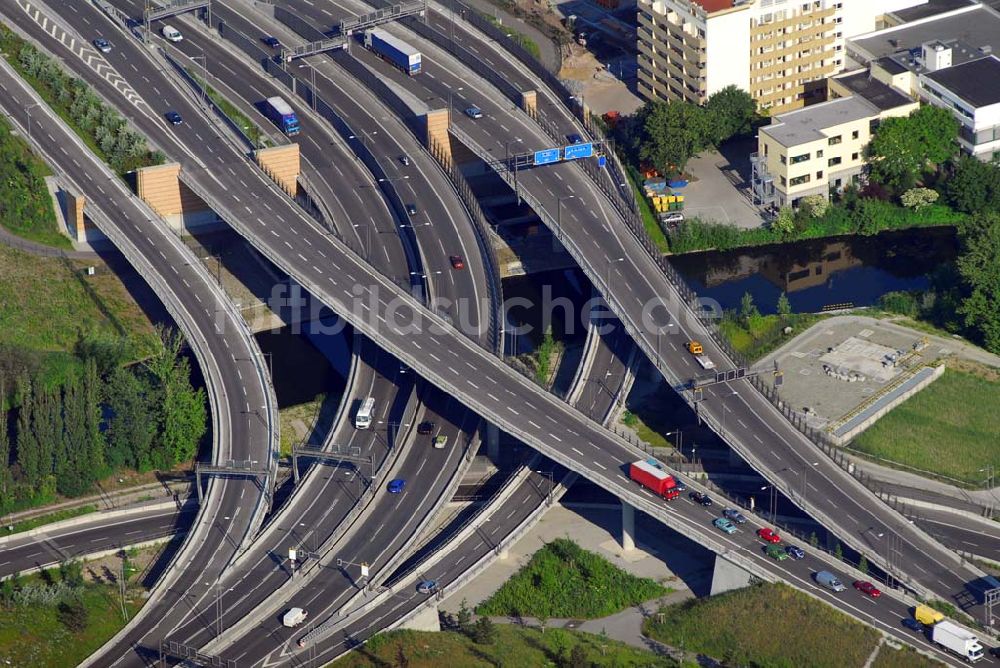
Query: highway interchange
pixel 488 387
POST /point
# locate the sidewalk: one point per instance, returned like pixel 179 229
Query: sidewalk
pixel 625 626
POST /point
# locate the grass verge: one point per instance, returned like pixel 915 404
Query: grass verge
pixel 939 429
pixel 649 419
pixel 61 632
pixel 58 516
pixel 564 580
pixel 513 646
pixel 764 333
pixel 295 419
pixel 907 657
pixel 249 128
pixel 765 625
pixel 49 304
pixel 646 212
pixel 26 208
pixel 519 38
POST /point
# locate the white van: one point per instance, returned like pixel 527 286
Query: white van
pixel 171 34
pixel 830 581
pixel 363 418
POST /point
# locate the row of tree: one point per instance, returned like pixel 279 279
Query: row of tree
pixel 103 417
pixel 124 149
pixel 668 134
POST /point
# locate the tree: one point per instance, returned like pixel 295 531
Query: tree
pixel 28 455
pixel 863 565
pixel 838 552
pixel 814 539
pixel 73 614
pixel 731 111
pixel 785 220
pixel 484 631
pixel 464 618
pixel 784 306
pixel 130 430
pixel 974 187
pixel 747 308
pixel 674 133
pixel 902 148
pixel 72 573
pixel 917 198
pixel 979 267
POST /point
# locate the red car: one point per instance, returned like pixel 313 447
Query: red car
pixel 868 588
pixel 457 262
pixel 768 535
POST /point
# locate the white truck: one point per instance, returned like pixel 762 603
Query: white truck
pixel 705 362
pixel 956 639
pixel 294 617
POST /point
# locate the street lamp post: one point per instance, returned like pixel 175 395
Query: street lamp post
pixel 204 77
pixel 551 487
pixel 680 439
pixel 607 282
pixel 368 240
pixel 312 90
pixel 773 496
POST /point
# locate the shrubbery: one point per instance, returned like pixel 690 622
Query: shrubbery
pixel 564 580
pixel 103 128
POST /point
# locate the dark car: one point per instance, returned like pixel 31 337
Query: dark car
pixel 795 552
pixel 427 587
pixel 734 515
pixel 411 209
pixel 425 427
pixel 271 41
pixel 174 118
pixel 574 138
pixel 703 499
pixel 396 486
pixel 680 486
pixel 912 624
pixel 102 45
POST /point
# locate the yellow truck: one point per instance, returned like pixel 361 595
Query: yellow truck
pixel 927 615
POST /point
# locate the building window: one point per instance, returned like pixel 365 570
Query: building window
pixel 833 161
pixel 819 175
pixel 855 134
pixel 799 180
pixel 784 160
pixel 833 141
pixel 855 156
pixel 800 158
pixel 784 181
pixel 819 153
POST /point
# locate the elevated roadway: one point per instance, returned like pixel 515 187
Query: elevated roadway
pixel 523 410
pixel 243 407
pixel 660 318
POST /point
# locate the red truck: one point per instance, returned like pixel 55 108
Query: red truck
pixel 652 477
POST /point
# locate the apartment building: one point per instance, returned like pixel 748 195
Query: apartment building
pixel 781 51
pixel 821 147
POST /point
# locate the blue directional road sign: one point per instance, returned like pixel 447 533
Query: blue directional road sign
pixel 547 156
pixel 576 151
pixel 601 161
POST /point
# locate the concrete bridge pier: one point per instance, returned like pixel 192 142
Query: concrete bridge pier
pixel 628 527
pixel 728 576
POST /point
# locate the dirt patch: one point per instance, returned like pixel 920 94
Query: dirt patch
pixel 990 373
pixel 108 570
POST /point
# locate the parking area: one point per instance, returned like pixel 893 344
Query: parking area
pixel 718 189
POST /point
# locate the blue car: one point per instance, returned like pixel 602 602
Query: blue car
pixel 722 524
pixel 913 624
pixel 795 552
pixel 396 486
pixel 574 138
pixel 174 118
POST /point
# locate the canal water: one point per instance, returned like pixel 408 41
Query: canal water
pixel 823 273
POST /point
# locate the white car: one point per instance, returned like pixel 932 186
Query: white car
pixel 171 34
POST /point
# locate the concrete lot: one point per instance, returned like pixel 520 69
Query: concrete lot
pixel 717 195
pixel 839 363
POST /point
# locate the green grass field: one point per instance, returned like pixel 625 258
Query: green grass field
pixel 940 429
pixel 514 647
pixel 45 303
pixel 26 209
pixel 902 658
pixel 34 636
pixel 58 516
pixel 564 580
pixel 765 625
pixel 765 332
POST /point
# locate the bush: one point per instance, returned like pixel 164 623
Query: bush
pixel 916 198
pixel 814 206
pixel 73 615
pixel 903 303
pixel 564 580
